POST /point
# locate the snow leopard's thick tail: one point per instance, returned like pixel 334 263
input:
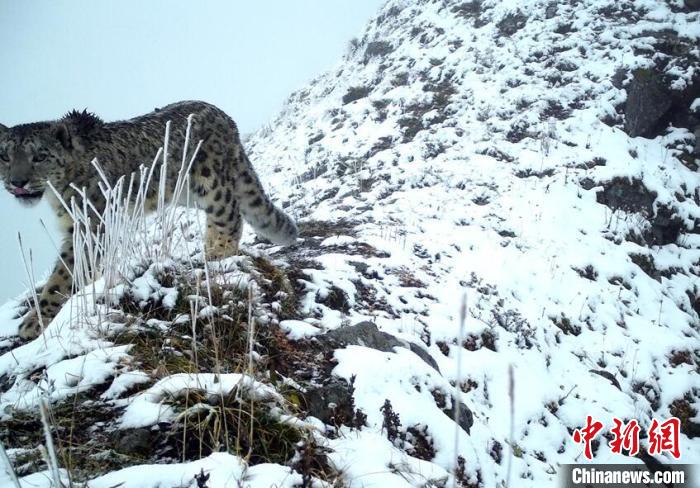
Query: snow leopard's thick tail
pixel 268 220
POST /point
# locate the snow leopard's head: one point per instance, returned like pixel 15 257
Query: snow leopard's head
pixel 32 154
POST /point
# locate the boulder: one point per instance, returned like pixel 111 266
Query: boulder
pixel 134 441
pixel 331 402
pixel 648 102
pixel 630 195
pixel 692 5
pixel 368 335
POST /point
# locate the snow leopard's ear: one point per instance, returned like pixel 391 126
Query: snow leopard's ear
pixel 2 128
pixel 63 134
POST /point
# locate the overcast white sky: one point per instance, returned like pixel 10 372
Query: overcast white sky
pixel 124 58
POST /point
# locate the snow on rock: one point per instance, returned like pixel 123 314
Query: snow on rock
pixel 221 469
pixel 149 407
pixel 71 355
pixel 37 480
pixel 297 329
pixel 124 382
pixel 369 459
pixel 411 386
pixel 65 378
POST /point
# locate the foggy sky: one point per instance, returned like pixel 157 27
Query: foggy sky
pixel 124 58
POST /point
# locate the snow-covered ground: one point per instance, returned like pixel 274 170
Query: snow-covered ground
pixel 461 152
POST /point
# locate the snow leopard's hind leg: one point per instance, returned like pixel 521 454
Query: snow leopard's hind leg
pixel 228 188
pixel 213 185
pixel 224 235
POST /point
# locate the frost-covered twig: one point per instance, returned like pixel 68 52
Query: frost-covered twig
pixel 251 329
pixel 28 268
pixel 106 241
pixel 52 459
pixel 8 466
pixel 251 344
pixel 457 408
pixel 511 398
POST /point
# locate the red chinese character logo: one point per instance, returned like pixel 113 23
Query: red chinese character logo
pixel 665 437
pixel 627 437
pixel 587 434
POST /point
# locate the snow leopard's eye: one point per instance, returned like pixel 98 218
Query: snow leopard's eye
pixel 5 157
pixel 39 158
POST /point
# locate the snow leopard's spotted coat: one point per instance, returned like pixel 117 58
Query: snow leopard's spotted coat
pixel 222 177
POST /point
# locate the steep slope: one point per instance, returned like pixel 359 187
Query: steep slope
pixel 494 150
pixel 498 206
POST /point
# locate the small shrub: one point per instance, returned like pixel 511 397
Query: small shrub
pixel 422 446
pixel 391 423
pixel 356 93
pixel 410 126
pixel 685 412
pixel 377 48
pixel 564 323
pixel 400 79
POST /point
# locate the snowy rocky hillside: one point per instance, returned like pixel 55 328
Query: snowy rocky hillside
pixel 534 160
pixel 539 158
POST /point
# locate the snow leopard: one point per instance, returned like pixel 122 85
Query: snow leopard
pixel 222 178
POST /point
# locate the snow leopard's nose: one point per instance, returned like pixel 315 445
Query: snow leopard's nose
pixel 19 183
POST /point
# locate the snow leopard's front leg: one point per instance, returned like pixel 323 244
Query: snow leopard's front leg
pixel 54 293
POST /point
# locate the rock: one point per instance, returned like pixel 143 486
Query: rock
pixel 666 226
pixel 512 23
pixel 472 10
pixel 632 196
pixel 629 195
pixel 608 376
pixel 335 299
pixel 656 96
pixel 648 102
pixel 368 335
pixel 587 183
pixel 468 9
pixel 355 93
pixel 363 334
pixel 618 79
pixel 331 402
pixel 377 48
pixel 551 10
pixel 423 354
pixel 364 270
pixel 314 139
pixel 134 441
pixel 692 5
pixel 466 417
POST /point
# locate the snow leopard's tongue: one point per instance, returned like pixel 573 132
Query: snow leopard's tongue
pixel 22 192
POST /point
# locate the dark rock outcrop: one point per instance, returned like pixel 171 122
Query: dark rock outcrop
pixel 512 23
pixel 648 102
pixel 368 335
pixel 633 197
pixel 134 441
pixel 331 402
pixel 356 93
pixel 656 98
